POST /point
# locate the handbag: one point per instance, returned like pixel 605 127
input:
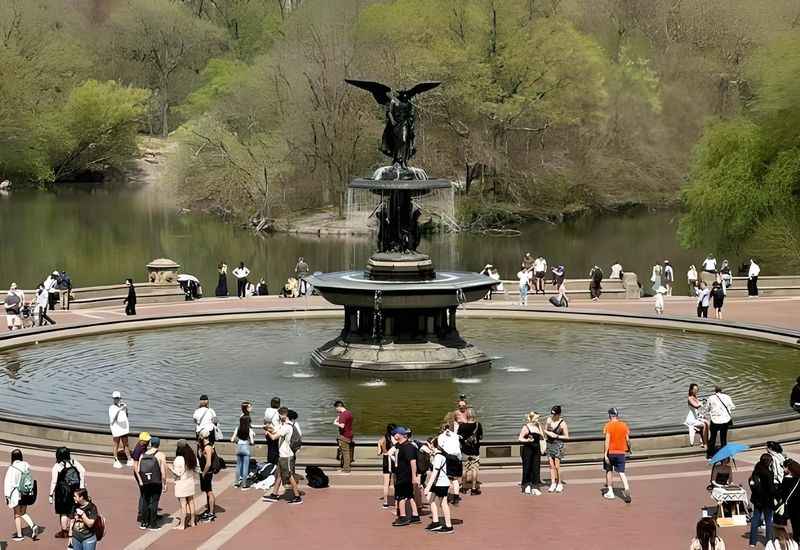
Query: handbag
pixel 782 508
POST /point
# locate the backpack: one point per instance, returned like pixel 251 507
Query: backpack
pixel 99 527
pixel 217 463
pixel 295 441
pixel 316 478
pixel 149 470
pixel 25 485
pixel 69 478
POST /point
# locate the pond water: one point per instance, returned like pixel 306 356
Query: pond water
pixel 644 372
pixel 103 235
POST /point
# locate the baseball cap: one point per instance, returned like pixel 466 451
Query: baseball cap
pixel 144 436
pixel 116 395
pixel 613 411
pixel 400 430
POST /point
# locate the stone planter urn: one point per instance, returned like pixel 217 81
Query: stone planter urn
pixel 163 271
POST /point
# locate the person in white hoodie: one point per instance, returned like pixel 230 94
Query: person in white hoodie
pixel 752 279
pixel 19 473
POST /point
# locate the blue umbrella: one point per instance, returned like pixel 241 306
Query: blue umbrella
pixel 728 451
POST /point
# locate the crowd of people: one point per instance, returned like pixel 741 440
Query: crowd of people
pixel 296 285
pixel 23 313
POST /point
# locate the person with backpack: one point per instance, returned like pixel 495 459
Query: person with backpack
pixel 66 476
pixel 285 459
pixel 136 454
pixel 183 468
pixel 205 457
pixel 595 280
pixel 449 444
pixel 762 497
pixel 88 527
pixel 436 492
pixel 297 436
pixel 151 473
pixel 19 489
pixel 470 433
pixel 244 439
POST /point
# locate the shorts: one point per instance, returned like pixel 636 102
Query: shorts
pixel 440 492
pixel 285 469
pixel 206 485
pixel 403 490
pixel 453 467
pixel 539 274
pixel 472 463
pixel 615 463
pixel 386 467
pixel 13 321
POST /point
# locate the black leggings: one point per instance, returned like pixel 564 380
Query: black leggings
pixel 531 465
pixel 241 286
pixel 702 311
pixel 722 429
pixel 151 494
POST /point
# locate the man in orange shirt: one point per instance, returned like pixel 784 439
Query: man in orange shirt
pixel 616 446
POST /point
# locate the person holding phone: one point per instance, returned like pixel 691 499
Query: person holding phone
pixel 83 533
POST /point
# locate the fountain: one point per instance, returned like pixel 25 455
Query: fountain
pixel 400 313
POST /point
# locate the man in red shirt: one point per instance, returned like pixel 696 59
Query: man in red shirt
pixel 344 421
pixel 616 446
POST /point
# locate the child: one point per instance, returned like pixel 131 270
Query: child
pixel 436 492
pixel 660 291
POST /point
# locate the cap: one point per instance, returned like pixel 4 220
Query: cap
pixel 55 272
pixel 204 397
pixel 144 436
pixel 14 285
pixel 613 411
pixel 116 395
pixel 155 441
pixel 400 430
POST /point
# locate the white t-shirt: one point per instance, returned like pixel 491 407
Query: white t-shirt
pixel 754 270
pixel 438 464
pixel 42 298
pixel 449 443
pixel 204 419
pixel 539 265
pixel 710 264
pixel 272 417
pixel 285 431
pixel 616 271
pixel 720 405
pixel 241 272
pixel 523 278
pixel 120 427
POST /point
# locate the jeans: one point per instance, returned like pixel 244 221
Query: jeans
pixel 531 465
pixel 88 544
pixel 755 523
pixel 722 429
pixel 523 294
pixel 152 494
pixel 242 461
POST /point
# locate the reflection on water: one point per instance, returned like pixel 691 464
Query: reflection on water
pixel 585 368
pixel 105 235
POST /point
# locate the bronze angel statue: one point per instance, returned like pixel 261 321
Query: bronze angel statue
pixel 401 114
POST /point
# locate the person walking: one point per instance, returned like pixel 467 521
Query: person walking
pixel 19 490
pixel 244 439
pixel 436 492
pixel 42 303
pixel 285 458
pixel 205 419
pixel 241 274
pixel 595 280
pixel 560 283
pixel 301 270
pixel 84 532
pixel 470 433
pixel 762 497
pixel 205 459
pixel 222 280
pixel 524 278
pixel 120 428
pixel 616 446
pixel 706 536
pixel 655 276
pixel 539 271
pixel 659 301
pixel 130 300
pixel 450 445
pixel 406 478
pixel 183 470
pixel 272 422
pixel 696 419
pixel 720 411
pixel 530 437
pixel 717 298
pixel 344 421
pixel 386 452
pixel 691 279
pixel 151 473
pixel 13 303
pixel 66 476
pixel 556 432
pixel 703 297
pixel 669 277
pixel 752 278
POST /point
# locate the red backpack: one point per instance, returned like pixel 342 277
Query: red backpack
pixel 99 527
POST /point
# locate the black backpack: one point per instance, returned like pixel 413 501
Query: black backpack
pixel 69 478
pixel 149 470
pixel 316 478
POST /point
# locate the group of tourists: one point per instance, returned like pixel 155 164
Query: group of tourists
pixel 21 313
pixel 531 277
pixel 296 285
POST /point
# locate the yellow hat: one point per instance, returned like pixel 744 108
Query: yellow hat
pixel 144 436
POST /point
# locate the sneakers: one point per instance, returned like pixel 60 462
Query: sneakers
pixel 143 526
pixel 536 492
pixel 609 494
pixel 117 464
pixel 552 488
pixel 296 500
pixel 387 505
pixel 527 490
pixel 475 491
pixel 401 522
pixel 559 488
pixel 17 538
pixel 271 498
pixel 237 484
pixel 35 532
pixel 207 518
pixel 413 519
pixel 444 529
pixel 154 527
pixel 433 526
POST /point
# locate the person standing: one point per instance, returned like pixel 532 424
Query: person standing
pixel 794 397
pixel 244 438
pixel 18 488
pixel 717 298
pixel 205 419
pixel 655 277
pixel 539 271
pixel 120 428
pixel 617 444
pixel 42 303
pixel 386 452
pixel 66 476
pixel 13 303
pixel 725 276
pixel 301 270
pixel 790 494
pixel 530 451
pixel 703 298
pixel 660 291
pixel 470 433
pixel 595 280
pixel 130 300
pixel 669 277
pixel 84 535
pixel 272 422
pixel 64 287
pixel 222 280
pixel 205 458
pixel 183 468
pixel 560 282
pixel 436 492
pixel 137 452
pixel 710 264
pixel 720 411
pixel 51 287
pixel 762 497
pixel 752 278
pixel 344 421
pixel 450 444
pixel 241 274
pixel 151 472
pixel 524 277
pixel 406 478
pixel 691 279
pixel 556 432
pixel 460 414
pixel 297 435
pixel 695 418
pixel 285 458
pixel 616 271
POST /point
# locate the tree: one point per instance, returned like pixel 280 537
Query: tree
pixel 166 44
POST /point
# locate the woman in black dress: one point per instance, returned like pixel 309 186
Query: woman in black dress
pixel 130 301
pixel 222 284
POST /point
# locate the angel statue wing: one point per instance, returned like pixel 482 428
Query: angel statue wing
pixel 379 91
pixel 421 87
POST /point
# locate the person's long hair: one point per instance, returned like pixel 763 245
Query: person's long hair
pixel 793 466
pixel 707 533
pixel 764 465
pixel 189 458
pixel 244 422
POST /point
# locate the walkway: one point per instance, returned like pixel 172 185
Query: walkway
pixel 668 495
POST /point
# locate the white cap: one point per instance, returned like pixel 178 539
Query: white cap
pixel 116 395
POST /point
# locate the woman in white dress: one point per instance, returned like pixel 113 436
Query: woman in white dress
pixel 695 418
pixel 11 490
pixel 183 468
